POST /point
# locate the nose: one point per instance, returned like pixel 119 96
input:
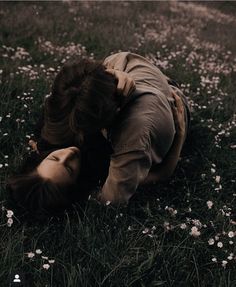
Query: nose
pixel 69 153
pixel 74 149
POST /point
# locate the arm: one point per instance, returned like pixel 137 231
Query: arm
pixel 166 168
pixel 126 172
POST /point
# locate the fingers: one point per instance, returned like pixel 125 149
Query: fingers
pixel 178 114
pixel 33 145
pixel 109 66
pixel 111 71
pixel 175 112
pixel 126 84
pixel 178 102
pixel 121 82
pixel 176 97
pixel 128 87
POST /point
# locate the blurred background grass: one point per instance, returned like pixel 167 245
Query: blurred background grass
pixel 150 243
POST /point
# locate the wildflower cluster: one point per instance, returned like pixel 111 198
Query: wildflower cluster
pixel 61 53
pixel 9 215
pixel 45 262
pixel 195 208
pixel 15 54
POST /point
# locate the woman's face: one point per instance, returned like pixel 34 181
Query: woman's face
pixel 61 166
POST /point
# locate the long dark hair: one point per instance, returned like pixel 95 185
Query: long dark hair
pixel 84 98
pixel 39 198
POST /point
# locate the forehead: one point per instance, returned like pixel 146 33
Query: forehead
pixel 54 171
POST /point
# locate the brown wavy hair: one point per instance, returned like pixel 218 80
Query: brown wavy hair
pixel 84 99
pixel 34 198
pixel 38 198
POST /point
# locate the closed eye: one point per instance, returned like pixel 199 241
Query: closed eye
pixel 67 167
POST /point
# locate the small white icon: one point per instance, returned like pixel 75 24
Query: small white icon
pixel 17 278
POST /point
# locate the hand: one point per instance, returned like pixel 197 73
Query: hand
pixel 33 145
pixel 178 113
pixel 126 84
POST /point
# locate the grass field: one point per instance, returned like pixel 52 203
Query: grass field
pixel 181 233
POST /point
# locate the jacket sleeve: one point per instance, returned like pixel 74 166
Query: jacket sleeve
pixel 117 61
pixel 126 172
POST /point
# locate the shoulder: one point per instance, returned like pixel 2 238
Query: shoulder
pixel 111 61
pixel 120 60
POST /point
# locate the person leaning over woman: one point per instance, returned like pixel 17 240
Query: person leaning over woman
pixel 146 128
pixel 51 181
pixel 57 175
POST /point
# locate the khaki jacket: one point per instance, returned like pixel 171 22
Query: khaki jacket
pixel 144 129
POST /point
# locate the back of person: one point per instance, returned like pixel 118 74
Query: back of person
pixel 140 125
pixel 144 129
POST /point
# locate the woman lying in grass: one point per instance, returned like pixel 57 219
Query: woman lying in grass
pixel 146 128
pixel 51 181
